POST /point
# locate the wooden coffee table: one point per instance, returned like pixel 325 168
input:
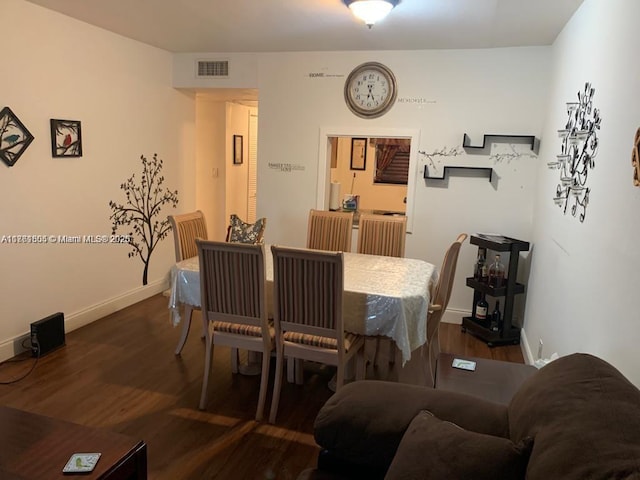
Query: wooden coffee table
pixel 492 380
pixel 35 447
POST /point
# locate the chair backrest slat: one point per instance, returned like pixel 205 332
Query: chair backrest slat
pixel 329 230
pixel 186 228
pixel 382 235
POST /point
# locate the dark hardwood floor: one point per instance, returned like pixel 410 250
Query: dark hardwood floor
pixel 120 373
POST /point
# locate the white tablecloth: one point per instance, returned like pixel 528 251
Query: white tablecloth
pixel 383 295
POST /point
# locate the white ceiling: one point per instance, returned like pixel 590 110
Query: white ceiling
pixel 322 25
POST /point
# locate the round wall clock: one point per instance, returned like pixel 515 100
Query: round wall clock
pixel 370 90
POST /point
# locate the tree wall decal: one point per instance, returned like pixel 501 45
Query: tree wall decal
pixel 144 203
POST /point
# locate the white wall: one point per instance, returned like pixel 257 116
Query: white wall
pixel 121 92
pixel 585 276
pixel 474 91
pixel 237 123
pixel 221 185
pixel 212 164
pixel 243 70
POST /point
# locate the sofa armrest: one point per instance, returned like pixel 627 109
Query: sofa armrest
pixel 364 421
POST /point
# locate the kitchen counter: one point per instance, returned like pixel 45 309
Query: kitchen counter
pixel 357 213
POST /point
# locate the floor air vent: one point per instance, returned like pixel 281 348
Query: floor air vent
pixel 212 68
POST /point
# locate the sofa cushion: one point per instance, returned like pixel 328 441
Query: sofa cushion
pixel 433 449
pixel 585 418
pixel 364 421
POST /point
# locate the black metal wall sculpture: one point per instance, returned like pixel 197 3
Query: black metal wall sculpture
pixel 144 202
pixel 579 148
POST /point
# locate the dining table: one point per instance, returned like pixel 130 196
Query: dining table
pixel 383 296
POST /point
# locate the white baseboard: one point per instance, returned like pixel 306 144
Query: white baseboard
pixel 100 310
pixel 13 346
pixel 526 349
pixel 452 315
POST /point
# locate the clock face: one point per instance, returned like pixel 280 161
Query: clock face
pixel 370 90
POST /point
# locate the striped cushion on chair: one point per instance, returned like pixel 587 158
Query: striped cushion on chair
pixel 241 329
pixel 319 341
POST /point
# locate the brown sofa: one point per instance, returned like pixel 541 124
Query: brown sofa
pixel 576 418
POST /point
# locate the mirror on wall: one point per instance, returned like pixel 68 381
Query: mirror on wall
pixel 374 168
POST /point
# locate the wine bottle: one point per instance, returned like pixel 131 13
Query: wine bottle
pixel 480 264
pixel 482 308
pixel 496 318
pixel 496 273
pixel 484 278
pixel 483 267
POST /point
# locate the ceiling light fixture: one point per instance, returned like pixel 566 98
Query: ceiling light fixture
pixel 371 11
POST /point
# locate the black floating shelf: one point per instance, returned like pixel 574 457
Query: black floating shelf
pixel 445 172
pixel 530 140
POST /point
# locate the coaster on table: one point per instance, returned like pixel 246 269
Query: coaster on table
pixel 81 463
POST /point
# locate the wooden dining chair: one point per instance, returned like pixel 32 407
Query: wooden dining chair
pixel 234 304
pixel 308 289
pixel 329 230
pixel 186 228
pixel 240 231
pixel 382 235
pixel 438 305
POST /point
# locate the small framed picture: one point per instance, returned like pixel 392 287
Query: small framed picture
pixel 66 138
pixel 358 154
pixel 14 137
pixel 237 149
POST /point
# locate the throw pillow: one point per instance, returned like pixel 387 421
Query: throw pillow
pixel 364 422
pixel 433 449
pixel 241 232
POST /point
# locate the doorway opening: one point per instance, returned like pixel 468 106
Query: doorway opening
pixel 376 170
pixel 377 164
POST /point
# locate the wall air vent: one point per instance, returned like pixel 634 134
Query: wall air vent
pixel 212 69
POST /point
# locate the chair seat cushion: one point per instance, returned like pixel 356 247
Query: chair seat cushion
pixel 240 329
pixel 434 449
pixel 320 341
